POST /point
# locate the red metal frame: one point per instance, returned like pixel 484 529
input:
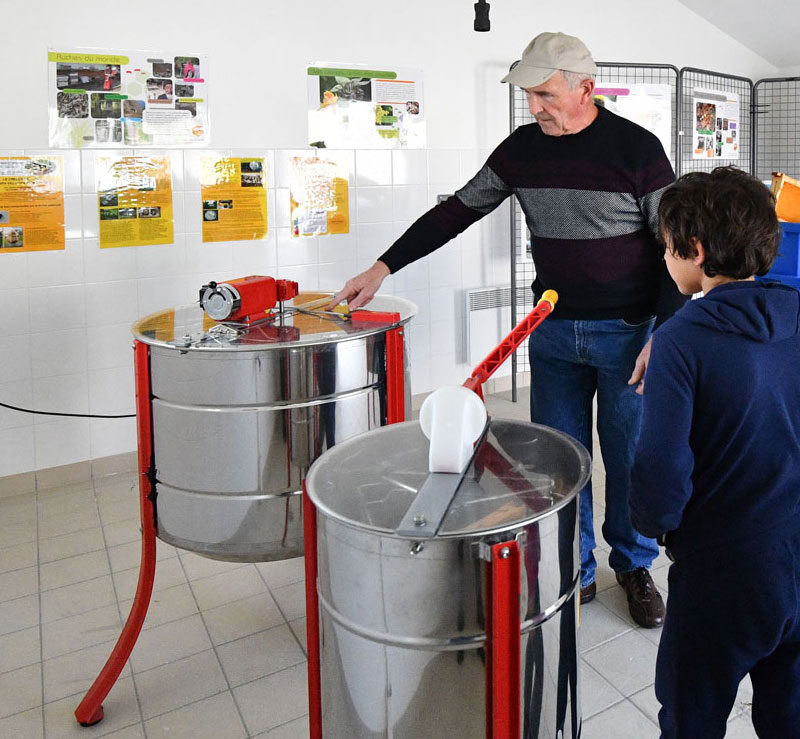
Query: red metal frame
pixel 395 369
pixel 503 643
pixel 312 617
pixel 395 377
pixel 507 346
pixel 90 710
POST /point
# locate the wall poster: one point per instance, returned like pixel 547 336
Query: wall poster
pixel 234 198
pixel 352 107
pixel 134 195
pixel 649 105
pixel 31 204
pixel 319 197
pixel 716 134
pixel 130 99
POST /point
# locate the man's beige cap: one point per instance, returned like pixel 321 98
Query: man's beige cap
pixel 548 53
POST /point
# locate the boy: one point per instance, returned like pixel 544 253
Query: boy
pixel 717 470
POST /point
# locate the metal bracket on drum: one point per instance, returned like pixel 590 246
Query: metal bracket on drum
pixel 484 549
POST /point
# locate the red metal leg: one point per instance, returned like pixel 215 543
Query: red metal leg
pixel 90 710
pixel 312 617
pixel 395 377
pixel 503 631
pixel 395 369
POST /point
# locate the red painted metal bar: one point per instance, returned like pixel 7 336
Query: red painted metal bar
pixel 312 618
pixel 508 345
pixel 395 369
pixel 395 377
pixel 503 643
pixel 90 710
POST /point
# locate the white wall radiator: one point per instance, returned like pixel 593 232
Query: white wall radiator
pixel 488 319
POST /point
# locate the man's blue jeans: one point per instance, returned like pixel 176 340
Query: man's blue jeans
pixel 570 361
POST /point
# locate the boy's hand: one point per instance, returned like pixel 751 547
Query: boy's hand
pixel 641 367
pixel 360 289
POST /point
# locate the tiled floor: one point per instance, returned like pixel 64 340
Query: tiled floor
pixel 222 653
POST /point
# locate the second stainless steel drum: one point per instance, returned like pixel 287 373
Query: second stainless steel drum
pixel 403 620
pixel 239 413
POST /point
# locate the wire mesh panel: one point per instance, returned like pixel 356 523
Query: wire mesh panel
pixel 646 74
pixel 696 84
pixel 523 271
pixel 776 123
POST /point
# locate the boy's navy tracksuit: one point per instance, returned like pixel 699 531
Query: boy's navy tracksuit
pixel 718 471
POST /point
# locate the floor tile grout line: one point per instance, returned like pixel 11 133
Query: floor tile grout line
pixel 285 723
pixel 280 610
pixel 628 698
pixel 603 643
pixel 585 717
pixel 118 603
pixel 214 649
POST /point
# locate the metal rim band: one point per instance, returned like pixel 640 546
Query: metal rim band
pixel 439 645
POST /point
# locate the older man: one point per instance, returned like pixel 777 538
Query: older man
pixel 589 183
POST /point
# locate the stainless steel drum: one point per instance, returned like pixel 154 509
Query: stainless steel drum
pixel 403 619
pixel 240 412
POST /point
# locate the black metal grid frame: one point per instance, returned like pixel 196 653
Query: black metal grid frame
pixel 692 78
pixel 776 127
pixel 522 268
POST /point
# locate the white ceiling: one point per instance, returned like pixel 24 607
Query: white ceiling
pixel 770 28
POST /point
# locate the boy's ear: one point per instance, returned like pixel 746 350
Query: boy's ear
pixel 699 251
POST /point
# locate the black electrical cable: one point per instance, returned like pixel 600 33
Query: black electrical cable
pixel 69 415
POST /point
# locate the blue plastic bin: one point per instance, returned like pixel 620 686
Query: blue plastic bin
pixel 787 263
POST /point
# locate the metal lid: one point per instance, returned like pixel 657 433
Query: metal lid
pixel 520 472
pixel 189 329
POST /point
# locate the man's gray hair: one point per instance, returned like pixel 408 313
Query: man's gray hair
pixel 575 78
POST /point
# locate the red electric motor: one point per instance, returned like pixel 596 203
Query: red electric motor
pixel 246 299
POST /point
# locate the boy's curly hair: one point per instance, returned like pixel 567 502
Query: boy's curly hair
pixel 731 213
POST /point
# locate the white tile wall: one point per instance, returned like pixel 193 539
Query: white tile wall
pixel 66 314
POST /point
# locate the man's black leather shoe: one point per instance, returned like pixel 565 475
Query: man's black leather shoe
pixel 588 592
pixel 644 600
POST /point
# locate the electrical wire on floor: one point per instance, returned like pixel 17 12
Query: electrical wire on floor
pixel 68 415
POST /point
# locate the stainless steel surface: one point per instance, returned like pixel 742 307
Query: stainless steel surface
pixel 169 327
pixel 430 505
pixel 240 413
pixel 403 620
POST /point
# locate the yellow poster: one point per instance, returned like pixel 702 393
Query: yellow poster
pixel 31 204
pixel 319 197
pixel 134 199
pixel 234 199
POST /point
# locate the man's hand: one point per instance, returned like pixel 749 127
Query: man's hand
pixel 359 290
pixel 641 367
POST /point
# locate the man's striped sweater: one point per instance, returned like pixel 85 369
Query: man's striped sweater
pixel 590 201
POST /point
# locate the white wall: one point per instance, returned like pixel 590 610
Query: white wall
pixel 65 344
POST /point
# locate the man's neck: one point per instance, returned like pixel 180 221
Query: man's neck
pixel 586 119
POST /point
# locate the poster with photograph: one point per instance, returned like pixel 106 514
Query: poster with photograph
pixel 127 99
pixel 352 107
pixel 234 196
pixel 134 200
pixel 649 105
pixel 319 197
pixel 31 204
pixel 716 132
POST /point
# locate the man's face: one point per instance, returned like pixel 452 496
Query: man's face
pixel 557 109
